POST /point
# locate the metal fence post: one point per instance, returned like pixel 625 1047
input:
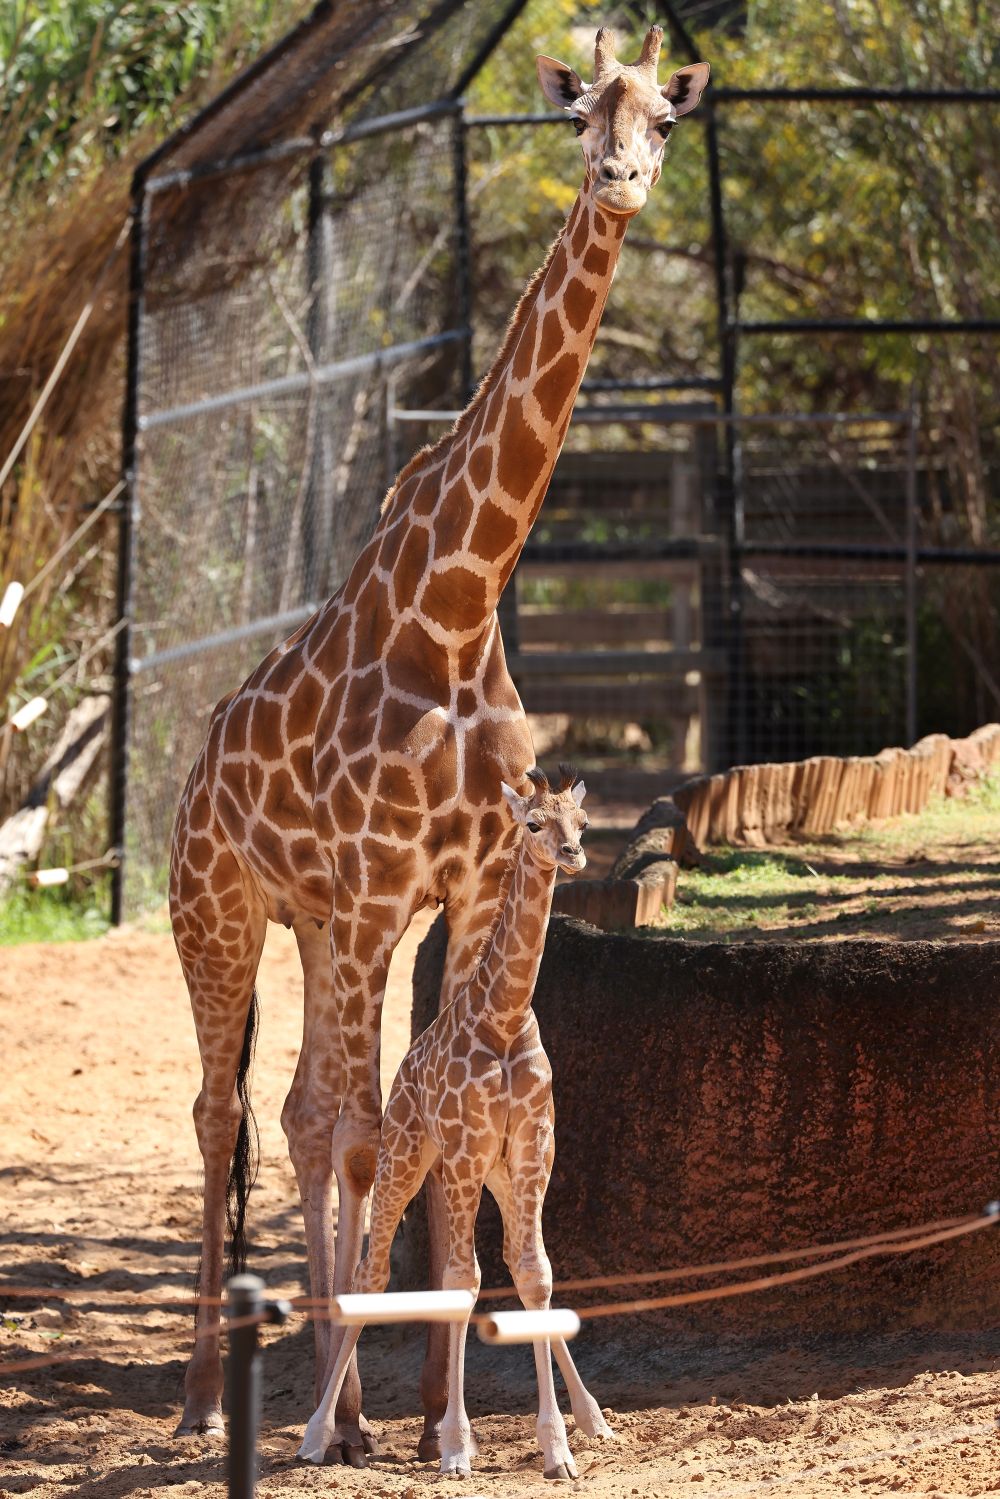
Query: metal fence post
pixel 247 1310
pixel 319 332
pixel 128 521
pixel 463 259
pixel 911 573
pixel 245 1299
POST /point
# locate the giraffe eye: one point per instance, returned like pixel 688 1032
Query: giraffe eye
pixel 664 127
pixel 533 826
pixel 578 125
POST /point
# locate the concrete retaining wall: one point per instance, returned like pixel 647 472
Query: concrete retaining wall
pixel 714 1101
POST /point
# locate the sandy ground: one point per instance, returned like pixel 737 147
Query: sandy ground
pixel 100 1178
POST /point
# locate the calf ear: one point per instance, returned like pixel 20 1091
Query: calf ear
pixel 517 804
pixel 560 85
pixel 579 792
pixel 687 86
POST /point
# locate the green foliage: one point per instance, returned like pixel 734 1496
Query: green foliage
pixel 925 875
pixel 832 210
pixel 60 915
pixel 79 78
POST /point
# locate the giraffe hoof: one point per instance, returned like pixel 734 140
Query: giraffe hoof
pixel 558 1474
pixel 210 1425
pixel 352 1456
pixel 429 1447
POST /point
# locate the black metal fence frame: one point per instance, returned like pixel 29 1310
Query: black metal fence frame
pixel 731 327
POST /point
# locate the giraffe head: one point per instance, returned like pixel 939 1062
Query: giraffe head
pixel 552 818
pixel 624 117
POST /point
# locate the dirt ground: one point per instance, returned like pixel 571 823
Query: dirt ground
pixel 100 1191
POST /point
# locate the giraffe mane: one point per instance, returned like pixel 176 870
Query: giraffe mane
pixel 515 326
pixel 501 906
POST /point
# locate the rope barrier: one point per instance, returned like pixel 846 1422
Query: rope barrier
pixel 936 1231
pixel 892 1242
pixel 727 1267
pixel 957 1229
pixel 786 1277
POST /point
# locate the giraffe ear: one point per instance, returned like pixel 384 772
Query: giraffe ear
pixel 579 792
pixel 687 86
pixel 517 804
pixel 560 85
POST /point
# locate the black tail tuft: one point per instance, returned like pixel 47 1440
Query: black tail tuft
pixel 246 1154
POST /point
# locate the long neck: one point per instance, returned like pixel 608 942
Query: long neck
pixel 504 981
pixel 478 492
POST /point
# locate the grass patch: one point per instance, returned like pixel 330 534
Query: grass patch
pixel 29 915
pixel 929 876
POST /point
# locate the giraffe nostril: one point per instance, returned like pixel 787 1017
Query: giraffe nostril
pixel 632 175
pixel 570 849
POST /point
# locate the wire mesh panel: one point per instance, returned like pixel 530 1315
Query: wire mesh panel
pixel 281 307
pixel 821 662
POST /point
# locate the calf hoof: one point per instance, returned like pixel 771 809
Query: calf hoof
pixel 559 1474
pixel 429 1446
pixel 369 1440
pixel 457 1466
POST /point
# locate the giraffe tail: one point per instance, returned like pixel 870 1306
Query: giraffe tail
pixel 246 1153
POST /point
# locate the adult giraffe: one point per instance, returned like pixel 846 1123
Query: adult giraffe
pixel 355 776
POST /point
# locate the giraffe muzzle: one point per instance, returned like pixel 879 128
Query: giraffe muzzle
pixel 572 858
pixel 620 189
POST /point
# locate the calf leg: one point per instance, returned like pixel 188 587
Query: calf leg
pixel 462 1196
pixel 404 1156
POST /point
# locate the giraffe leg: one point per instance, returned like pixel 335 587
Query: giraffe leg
pixel 404 1156
pixel 586 1411
pixel 530 1169
pixel 434 1374
pixel 219 923
pixel 308 1118
pixel 469 920
pixel 461 1272
pixel 363 935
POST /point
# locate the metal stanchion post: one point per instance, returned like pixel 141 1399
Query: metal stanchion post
pixel 245 1300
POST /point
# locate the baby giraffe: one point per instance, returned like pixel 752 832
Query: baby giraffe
pixel 472 1101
